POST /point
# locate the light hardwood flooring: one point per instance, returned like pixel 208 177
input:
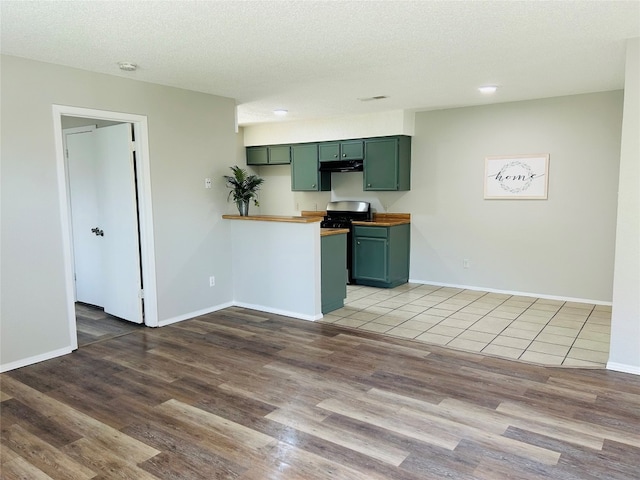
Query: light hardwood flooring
pixel 537 330
pixel 239 394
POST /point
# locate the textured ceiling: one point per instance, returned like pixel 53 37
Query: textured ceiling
pixel 317 59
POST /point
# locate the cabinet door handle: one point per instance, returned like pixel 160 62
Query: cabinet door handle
pixel 368 184
pixel 313 186
pixel 344 154
pixel 358 243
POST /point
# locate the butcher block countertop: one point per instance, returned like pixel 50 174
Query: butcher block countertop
pixel 325 232
pixel 387 220
pixel 379 219
pixel 275 218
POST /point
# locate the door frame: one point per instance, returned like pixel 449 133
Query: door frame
pixel 143 171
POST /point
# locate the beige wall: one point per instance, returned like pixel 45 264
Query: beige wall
pixel 562 247
pixel 191 137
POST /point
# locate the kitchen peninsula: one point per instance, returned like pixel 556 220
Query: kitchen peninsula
pixel 278 265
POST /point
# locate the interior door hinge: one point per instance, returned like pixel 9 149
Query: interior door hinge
pixel 141 293
pixel 133 146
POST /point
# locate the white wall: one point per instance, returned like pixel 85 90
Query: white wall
pixel 276 267
pixel 624 353
pixel 191 137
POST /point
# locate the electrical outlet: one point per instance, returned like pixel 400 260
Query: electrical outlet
pixel 466 263
pixel 207 183
pixel 212 281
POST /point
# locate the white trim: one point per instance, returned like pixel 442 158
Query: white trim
pixel 511 292
pixel 624 368
pixel 276 311
pixel 258 308
pixel 36 359
pixel 192 315
pixel 145 204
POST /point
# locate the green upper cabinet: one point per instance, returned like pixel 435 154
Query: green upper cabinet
pixel 345 150
pixel 387 163
pixel 257 156
pixel 269 155
pixel 305 176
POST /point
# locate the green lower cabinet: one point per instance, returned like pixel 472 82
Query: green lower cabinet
pixel 381 255
pixel 305 176
pixel 333 264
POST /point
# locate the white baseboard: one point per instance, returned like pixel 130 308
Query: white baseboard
pixel 35 359
pixel 621 367
pixel 511 292
pixel 188 316
pixel 276 311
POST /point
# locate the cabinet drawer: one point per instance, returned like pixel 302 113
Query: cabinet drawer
pixel 376 232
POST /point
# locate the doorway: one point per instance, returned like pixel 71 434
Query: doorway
pixel 138 126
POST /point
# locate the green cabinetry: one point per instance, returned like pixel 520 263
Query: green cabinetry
pixel 344 150
pixel 381 255
pixel 387 163
pixel 269 155
pixel 333 264
pixel 305 176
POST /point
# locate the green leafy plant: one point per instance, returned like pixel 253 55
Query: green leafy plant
pixel 244 187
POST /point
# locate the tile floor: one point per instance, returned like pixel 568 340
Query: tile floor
pixel 548 332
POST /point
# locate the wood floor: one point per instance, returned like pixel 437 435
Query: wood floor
pixel 94 325
pixel 245 395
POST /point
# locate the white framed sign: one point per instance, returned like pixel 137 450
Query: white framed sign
pixel 516 176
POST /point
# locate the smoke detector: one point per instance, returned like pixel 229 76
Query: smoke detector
pixel 127 66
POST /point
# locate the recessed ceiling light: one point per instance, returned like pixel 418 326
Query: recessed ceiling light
pixel 488 89
pixel 280 112
pixel 127 66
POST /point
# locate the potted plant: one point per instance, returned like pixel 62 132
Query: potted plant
pixel 244 188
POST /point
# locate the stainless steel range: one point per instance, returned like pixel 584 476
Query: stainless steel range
pixel 341 215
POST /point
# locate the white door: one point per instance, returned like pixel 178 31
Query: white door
pixel 106 236
pixel 82 168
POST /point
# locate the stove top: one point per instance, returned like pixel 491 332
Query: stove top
pixel 341 214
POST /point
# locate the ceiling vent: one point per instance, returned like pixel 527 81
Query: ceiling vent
pixel 370 99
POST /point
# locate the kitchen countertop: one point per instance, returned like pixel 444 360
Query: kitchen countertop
pixel 324 232
pixel 275 218
pixel 379 219
pixel 386 220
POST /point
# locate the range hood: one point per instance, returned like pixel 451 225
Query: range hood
pixel 341 166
